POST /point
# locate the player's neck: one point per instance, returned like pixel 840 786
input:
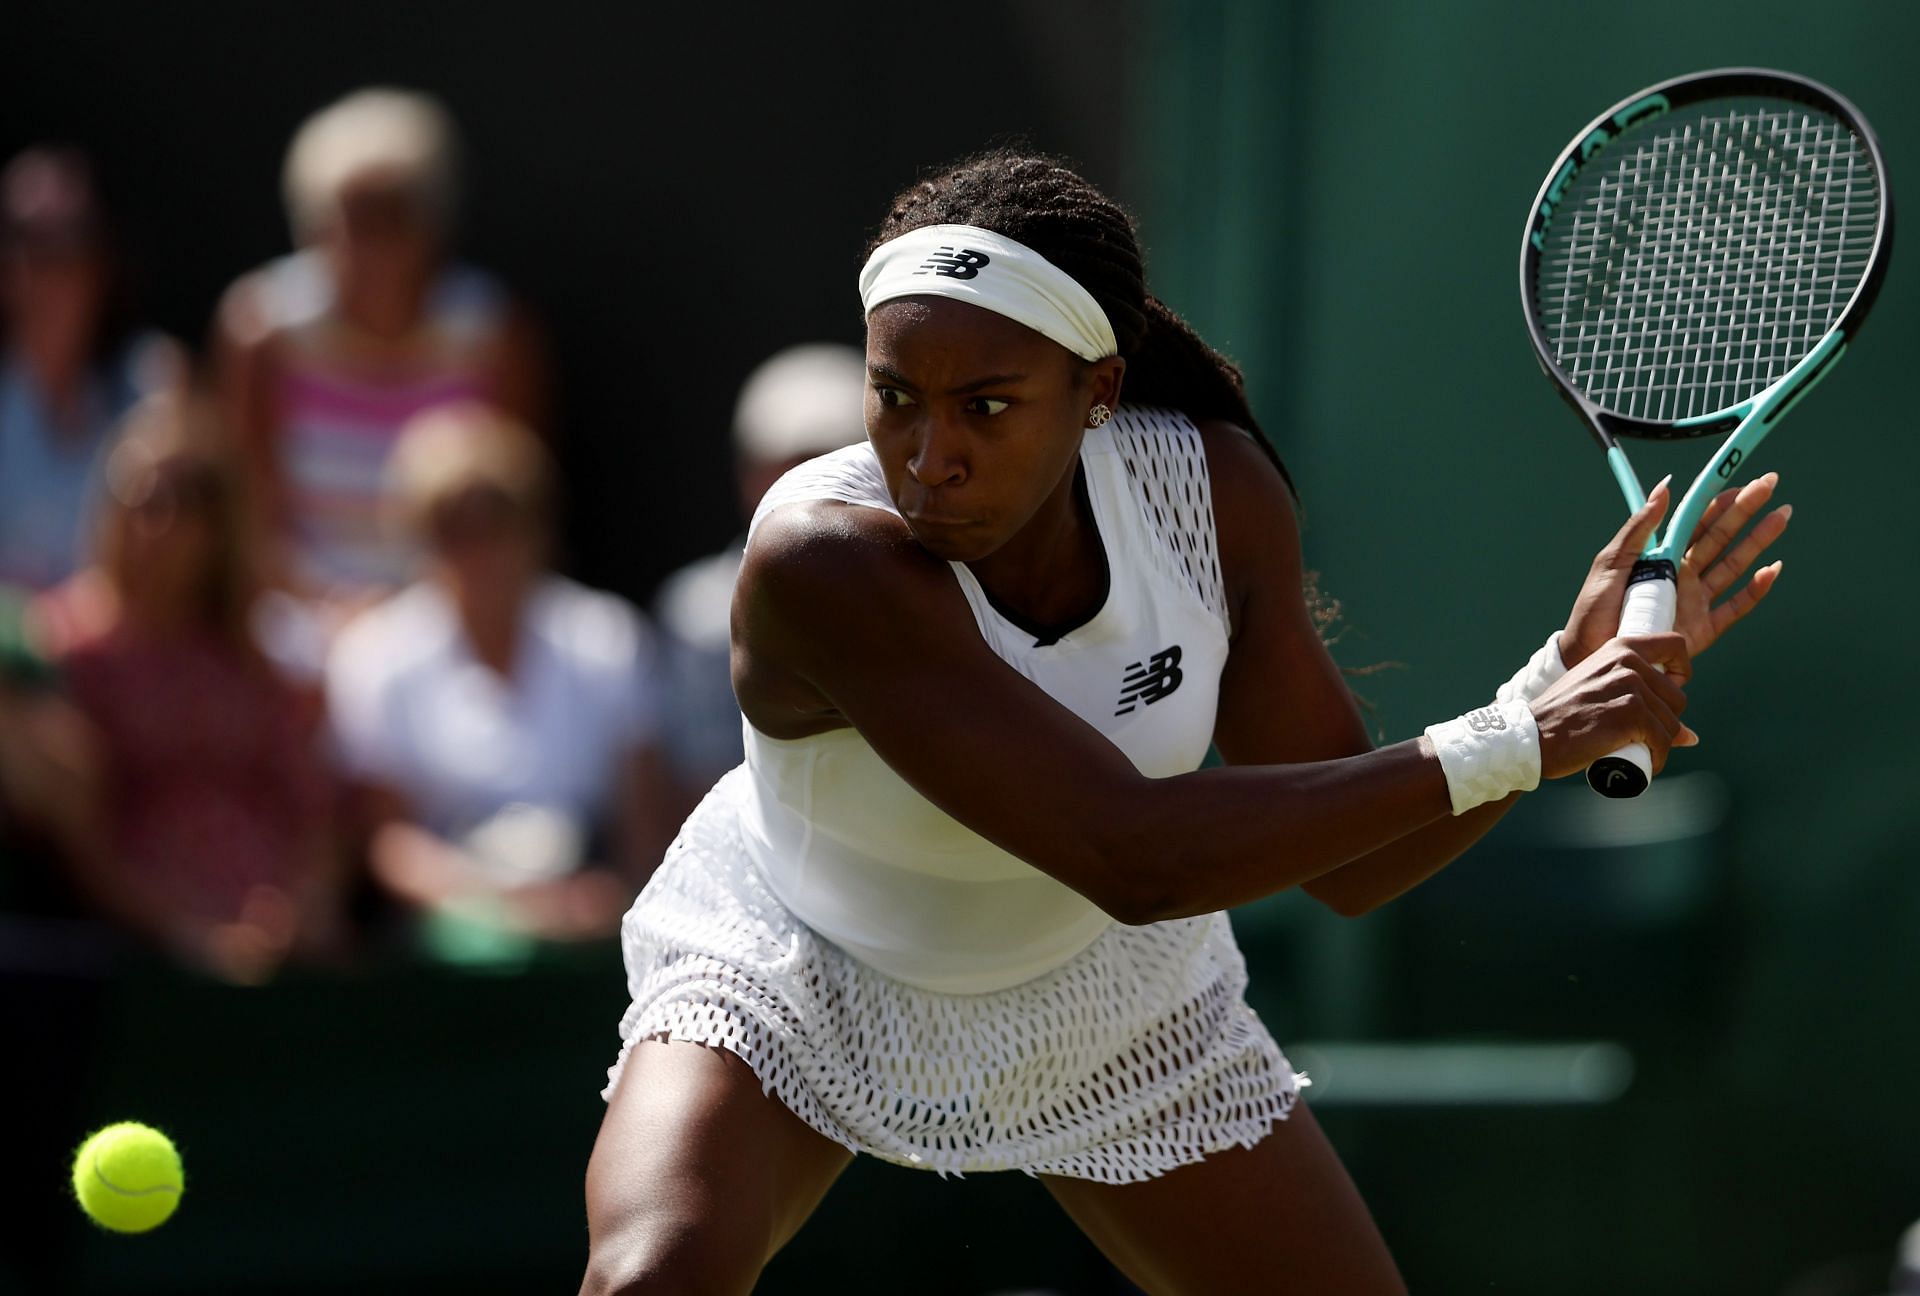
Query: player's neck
pixel 1054 572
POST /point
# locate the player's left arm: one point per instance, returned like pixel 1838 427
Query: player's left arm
pixel 1283 699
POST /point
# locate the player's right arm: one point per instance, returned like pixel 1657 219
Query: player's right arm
pixel 840 618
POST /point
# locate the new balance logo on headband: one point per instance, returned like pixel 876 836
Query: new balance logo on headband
pixel 1148 681
pixel 963 264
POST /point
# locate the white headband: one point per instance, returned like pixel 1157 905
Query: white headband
pixel 995 273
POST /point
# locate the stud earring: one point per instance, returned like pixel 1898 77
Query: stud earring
pixel 1098 415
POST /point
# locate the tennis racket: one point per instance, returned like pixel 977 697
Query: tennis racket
pixel 1697 259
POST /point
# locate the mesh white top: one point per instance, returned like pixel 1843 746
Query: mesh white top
pixel 1700 257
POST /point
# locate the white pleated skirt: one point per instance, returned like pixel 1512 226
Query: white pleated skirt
pixel 1137 1056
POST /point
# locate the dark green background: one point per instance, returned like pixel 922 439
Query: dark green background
pixel 1377 161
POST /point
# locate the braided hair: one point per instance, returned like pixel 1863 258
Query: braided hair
pixel 1039 201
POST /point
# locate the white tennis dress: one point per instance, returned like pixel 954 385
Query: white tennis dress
pixel 911 990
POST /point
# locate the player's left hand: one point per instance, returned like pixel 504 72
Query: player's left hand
pixel 1712 568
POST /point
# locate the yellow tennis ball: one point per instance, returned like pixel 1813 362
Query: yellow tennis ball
pixel 128 1177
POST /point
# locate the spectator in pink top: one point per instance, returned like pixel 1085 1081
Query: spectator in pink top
pixel 325 354
pixel 203 816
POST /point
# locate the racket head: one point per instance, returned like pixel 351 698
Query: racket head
pixel 1697 241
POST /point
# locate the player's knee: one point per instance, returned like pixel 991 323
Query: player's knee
pixel 672 1259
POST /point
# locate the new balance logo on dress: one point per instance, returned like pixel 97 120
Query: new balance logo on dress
pixel 962 264
pixel 1148 681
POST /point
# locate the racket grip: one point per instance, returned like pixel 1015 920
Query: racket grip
pixel 1652 597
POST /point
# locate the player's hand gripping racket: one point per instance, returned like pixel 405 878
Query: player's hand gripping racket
pixel 1696 261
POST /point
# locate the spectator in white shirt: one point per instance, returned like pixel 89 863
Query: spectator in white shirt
pixel 497 719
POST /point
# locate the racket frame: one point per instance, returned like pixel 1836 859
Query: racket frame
pixel 1746 423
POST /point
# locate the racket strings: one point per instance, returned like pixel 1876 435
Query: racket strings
pixel 1699 260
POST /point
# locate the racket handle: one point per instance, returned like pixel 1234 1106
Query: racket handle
pixel 1651 600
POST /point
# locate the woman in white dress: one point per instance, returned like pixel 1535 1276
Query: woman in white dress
pixel 961 908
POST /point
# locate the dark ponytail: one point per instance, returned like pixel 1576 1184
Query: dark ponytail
pixel 1038 201
pixel 1172 365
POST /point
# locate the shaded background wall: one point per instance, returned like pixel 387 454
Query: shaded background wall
pixel 1333 192
pixel 1452 504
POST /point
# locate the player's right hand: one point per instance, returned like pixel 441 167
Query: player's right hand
pixel 1714 564
pixel 1615 696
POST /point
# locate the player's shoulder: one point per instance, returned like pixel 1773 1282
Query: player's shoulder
pixel 825 540
pixel 1242 470
pixel 824 568
pixel 1236 452
pixel 821 582
pixel 831 511
pixel 1254 513
pixel 849 475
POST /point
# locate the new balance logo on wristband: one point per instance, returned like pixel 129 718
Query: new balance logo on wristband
pixel 962 264
pixel 1148 681
pixel 1485 720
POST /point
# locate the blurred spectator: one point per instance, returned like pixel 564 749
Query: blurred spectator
pixel 1906 1264
pixel 73 363
pixel 40 763
pixel 800 403
pixel 324 355
pixel 190 800
pixel 497 717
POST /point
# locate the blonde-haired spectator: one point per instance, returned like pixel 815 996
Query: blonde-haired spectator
pixel 325 354
pixel 498 719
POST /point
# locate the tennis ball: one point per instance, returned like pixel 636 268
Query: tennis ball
pixel 128 1177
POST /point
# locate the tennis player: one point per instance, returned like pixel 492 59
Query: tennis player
pixel 961 908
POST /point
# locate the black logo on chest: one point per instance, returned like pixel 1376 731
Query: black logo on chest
pixel 963 263
pixel 1148 681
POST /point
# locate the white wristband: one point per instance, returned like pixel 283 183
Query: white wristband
pixel 1488 753
pixel 1542 671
